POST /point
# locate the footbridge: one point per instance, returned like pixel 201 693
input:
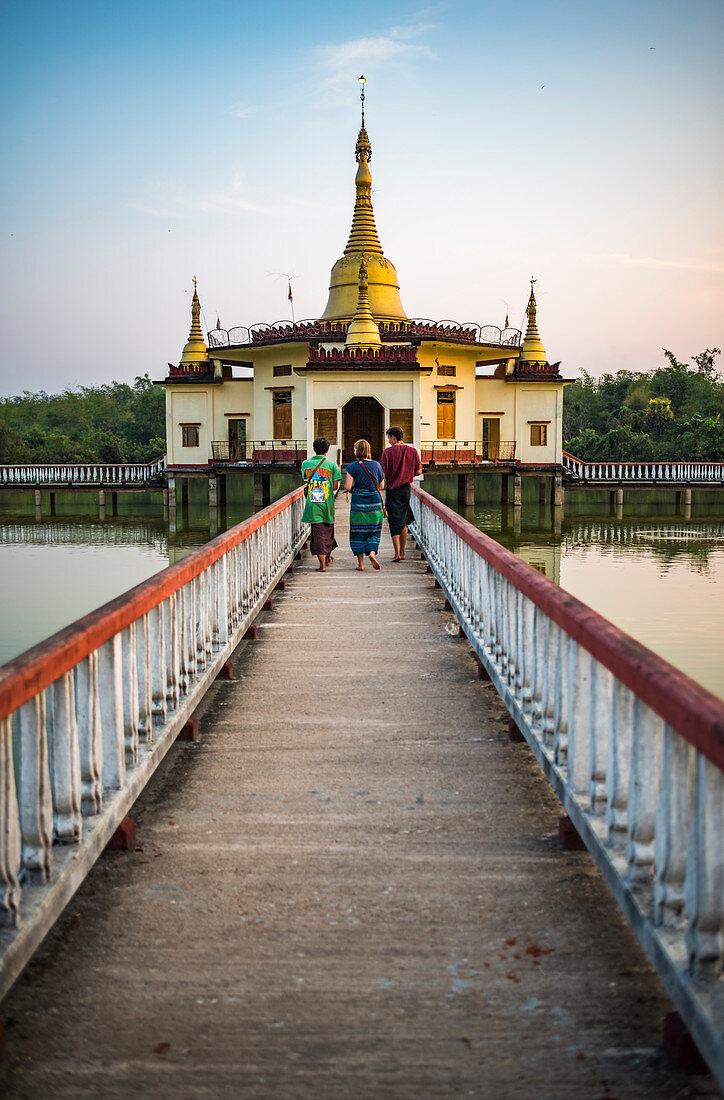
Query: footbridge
pixel 357 802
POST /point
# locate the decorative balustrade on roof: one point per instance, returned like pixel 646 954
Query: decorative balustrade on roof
pixel 373 356
pixel 536 370
pixel 183 370
pixel 390 331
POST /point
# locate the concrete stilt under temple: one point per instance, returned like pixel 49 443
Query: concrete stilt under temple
pixel 351 885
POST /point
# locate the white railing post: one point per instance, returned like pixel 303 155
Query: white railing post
pixel 90 742
pixel 34 795
pixel 704 887
pixel 10 837
pixel 671 844
pixel 130 692
pixel 110 690
pixel 65 760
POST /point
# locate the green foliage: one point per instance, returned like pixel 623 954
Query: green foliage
pixel 112 423
pixel 674 412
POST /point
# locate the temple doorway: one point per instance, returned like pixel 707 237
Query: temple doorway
pixel 362 418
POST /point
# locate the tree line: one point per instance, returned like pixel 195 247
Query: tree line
pixel 674 412
pixel 117 422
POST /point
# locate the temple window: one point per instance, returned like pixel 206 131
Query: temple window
pixel 325 424
pixel 447 370
pixel 189 435
pixel 283 370
pixel 539 435
pixel 402 418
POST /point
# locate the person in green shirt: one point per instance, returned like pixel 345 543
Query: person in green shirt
pixel 323 478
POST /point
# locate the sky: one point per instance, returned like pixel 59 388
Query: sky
pixel 146 143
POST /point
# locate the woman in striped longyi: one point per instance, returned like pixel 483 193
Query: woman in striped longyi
pixel 365 479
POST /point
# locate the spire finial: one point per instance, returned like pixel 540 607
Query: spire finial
pixel 362 81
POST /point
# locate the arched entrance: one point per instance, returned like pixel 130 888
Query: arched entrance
pixel 362 418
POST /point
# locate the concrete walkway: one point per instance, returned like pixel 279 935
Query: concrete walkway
pixel 351 887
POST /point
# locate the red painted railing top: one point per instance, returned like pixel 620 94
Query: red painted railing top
pixel 363 355
pixel 695 713
pixel 390 331
pixel 39 667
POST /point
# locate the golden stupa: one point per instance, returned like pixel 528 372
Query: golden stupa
pixel 363 245
pixel 532 350
pixel 195 351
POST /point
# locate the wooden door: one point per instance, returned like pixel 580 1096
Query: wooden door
pixel 446 414
pixel 491 438
pixel 362 419
pixel 283 414
pixel 237 440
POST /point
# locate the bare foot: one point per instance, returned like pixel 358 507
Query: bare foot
pixel 320 569
pixel 360 568
pixel 375 563
pixel 397 559
pixel 328 560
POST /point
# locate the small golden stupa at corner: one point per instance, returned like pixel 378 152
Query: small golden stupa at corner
pixel 532 350
pixel 195 351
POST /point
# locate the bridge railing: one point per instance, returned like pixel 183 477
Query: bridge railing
pixel 633 748
pixel 694 472
pixel 94 473
pixel 87 716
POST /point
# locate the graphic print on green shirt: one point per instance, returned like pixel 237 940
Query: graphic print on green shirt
pixel 320 491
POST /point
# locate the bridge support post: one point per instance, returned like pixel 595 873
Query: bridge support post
pixel 170 498
pixel 262 490
pixel 114 503
pixel 38 504
pixel 517 490
pixel 466 489
pixel 213 506
pixel 619 498
pixel 52 504
pixel 557 494
pixel 504 489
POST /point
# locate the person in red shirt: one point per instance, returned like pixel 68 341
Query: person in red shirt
pixel 401 463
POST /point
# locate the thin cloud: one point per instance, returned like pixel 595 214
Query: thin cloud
pixel 675 265
pixel 174 201
pixel 242 110
pixel 340 57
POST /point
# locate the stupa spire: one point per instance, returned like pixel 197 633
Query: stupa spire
pixel 363 244
pixel 363 332
pixel 195 350
pixel 363 236
pixel 532 350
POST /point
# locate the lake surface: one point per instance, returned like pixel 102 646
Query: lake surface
pixel 657 575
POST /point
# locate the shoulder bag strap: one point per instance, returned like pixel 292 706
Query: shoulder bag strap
pixel 376 485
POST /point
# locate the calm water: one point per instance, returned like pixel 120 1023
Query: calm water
pixel 657 575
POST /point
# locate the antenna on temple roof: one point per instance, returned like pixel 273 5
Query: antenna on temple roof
pixel 362 81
